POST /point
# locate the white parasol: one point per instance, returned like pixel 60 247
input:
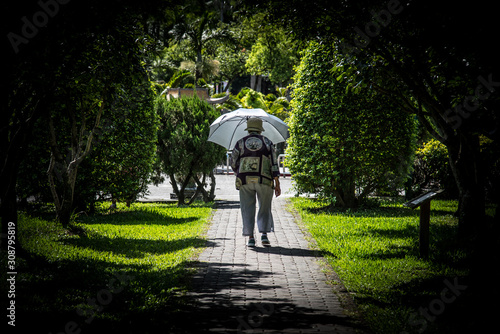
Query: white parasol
pixel 229 128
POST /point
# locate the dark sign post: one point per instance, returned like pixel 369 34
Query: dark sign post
pixel 424 202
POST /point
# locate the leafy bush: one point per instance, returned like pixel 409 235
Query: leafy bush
pixel 232 103
pixel 179 78
pixel 122 156
pixel 279 108
pixel 343 145
pixel 431 163
pixel 253 99
pixel 121 164
pixel 243 92
pixel 275 55
pixel 431 168
pixel 183 148
pixel 269 103
pixel 270 97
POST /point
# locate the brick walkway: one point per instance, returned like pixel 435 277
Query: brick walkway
pixel 280 289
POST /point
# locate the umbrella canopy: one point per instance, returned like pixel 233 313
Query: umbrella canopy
pixel 229 128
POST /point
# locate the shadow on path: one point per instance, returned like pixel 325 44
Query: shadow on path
pixel 280 289
pixel 215 306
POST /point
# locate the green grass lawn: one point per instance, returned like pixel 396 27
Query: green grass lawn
pixel 121 271
pixel 375 253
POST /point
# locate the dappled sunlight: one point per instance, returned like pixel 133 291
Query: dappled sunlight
pixel 145 248
pixel 375 252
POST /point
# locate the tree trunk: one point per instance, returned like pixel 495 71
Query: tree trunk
pixel 253 81
pixel 212 186
pixel 346 195
pixel 207 196
pixel 259 84
pixel 350 194
pixel 466 165
pixel 180 196
pixel 64 214
pixel 62 192
pixel 66 171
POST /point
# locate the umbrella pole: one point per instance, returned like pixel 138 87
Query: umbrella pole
pixel 232 136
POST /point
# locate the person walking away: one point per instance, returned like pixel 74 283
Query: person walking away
pixel 257 174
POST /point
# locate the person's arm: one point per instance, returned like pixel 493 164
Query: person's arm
pixel 275 171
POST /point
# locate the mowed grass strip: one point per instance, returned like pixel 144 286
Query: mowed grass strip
pixel 375 253
pixel 116 268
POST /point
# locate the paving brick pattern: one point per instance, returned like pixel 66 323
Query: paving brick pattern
pixel 280 289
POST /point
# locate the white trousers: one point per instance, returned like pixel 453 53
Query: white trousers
pixel 264 194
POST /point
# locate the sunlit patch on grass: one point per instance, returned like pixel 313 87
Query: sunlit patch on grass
pixel 375 253
pixel 149 244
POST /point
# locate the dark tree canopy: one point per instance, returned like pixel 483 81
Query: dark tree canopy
pixel 50 47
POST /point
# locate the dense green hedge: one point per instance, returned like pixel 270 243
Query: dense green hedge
pixel 345 145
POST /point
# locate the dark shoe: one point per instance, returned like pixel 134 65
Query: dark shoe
pixel 265 241
pixel 251 242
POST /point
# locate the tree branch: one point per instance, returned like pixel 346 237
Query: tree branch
pixel 50 174
pixel 88 144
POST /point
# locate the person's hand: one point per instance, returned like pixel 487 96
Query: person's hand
pixel 277 188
